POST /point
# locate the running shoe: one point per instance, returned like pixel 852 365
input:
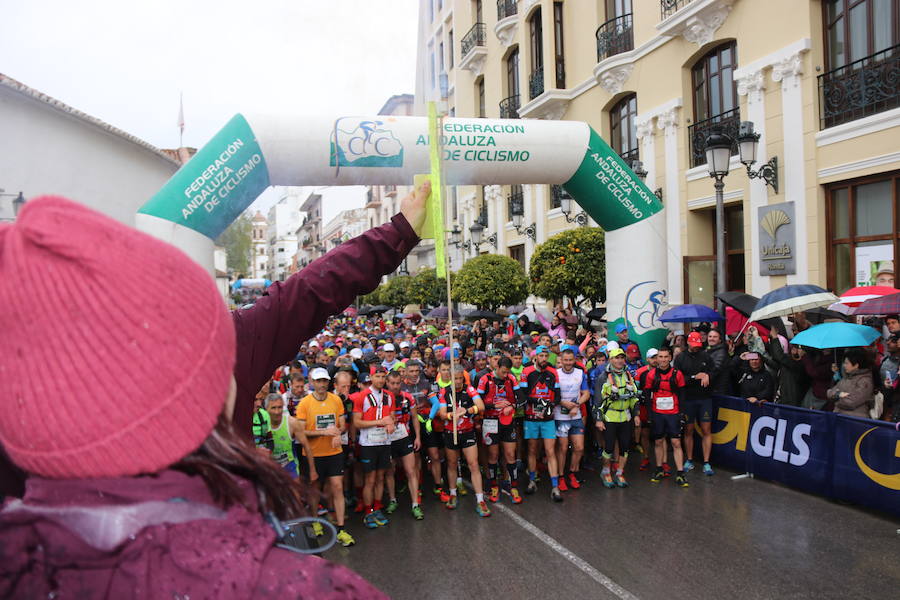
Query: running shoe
pixel 451 502
pixel 645 464
pixel 392 506
pixel 516 496
pixel 573 481
pixel 417 513
pixel 444 496
pixel 380 519
pixel 608 480
pixel 378 505
pixel 667 470
pixel 657 476
pixel 482 509
pixel 707 469
pixel 369 521
pixel 555 495
pixel 688 465
pixel 321 511
pixel 562 485
pixel 461 488
pixel 317 528
pixel 681 481
pixel 345 539
pixel 494 494
pixel 621 481
pixel 360 507
pixel 531 487
pixel 437 490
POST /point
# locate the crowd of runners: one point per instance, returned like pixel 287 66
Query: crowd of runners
pixel 371 409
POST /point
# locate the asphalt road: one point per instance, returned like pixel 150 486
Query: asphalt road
pixel 720 538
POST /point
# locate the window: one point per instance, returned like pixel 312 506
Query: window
pixel 479 12
pixel 450 43
pixel 622 129
pixel 617 8
pixel 431 66
pixel 441 57
pixel 715 100
pixel 483 214
pixel 515 201
pixel 558 45
pixel 537 33
pixel 862 231
pixel 855 29
pixel 480 88
pixel 518 253
pixel 512 73
pixel 700 271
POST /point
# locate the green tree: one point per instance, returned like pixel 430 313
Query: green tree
pixel 427 289
pixel 238 243
pixel 396 291
pixel 491 281
pixel 571 265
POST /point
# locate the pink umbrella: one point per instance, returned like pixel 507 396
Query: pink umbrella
pixel 856 296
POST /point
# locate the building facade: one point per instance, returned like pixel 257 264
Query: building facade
pixel 283 221
pixel 309 233
pixel 259 247
pixel 816 78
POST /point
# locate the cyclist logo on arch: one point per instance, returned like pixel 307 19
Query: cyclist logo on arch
pixel 364 143
pixel 643 305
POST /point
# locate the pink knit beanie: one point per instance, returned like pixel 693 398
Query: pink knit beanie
pixel 117 348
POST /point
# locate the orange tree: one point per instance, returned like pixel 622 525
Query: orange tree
pixel 571 265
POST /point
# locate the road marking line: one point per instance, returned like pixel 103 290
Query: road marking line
pixel 573 558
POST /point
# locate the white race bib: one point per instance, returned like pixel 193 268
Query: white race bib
pixel 665 403
pixel 345 439
pixel 490 426
pixel 400 432
pixel 378 436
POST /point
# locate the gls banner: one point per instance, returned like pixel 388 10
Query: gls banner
pixel 823 453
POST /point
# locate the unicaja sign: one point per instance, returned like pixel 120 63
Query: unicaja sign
pixel 776 225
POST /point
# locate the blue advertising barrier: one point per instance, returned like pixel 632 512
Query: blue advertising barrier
pixel 822 453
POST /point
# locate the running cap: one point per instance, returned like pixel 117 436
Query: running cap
pixel 319 373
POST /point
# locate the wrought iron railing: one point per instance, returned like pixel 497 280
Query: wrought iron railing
pixel 477 36
pixel 864 87
pixel 515 202
pixel 614 37
pixel 509 107
pixel 536 83
pixel 557 193
pixel 728 122
pixel 630 156
pixel 560 73
pixel 506 8
pixel 667 8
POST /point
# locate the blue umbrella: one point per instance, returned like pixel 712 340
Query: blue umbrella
pixel 836 335
pixel 790 299
pixel 690 313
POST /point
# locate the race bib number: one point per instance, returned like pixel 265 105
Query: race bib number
pixel 345 439
pixel 665 403
pixel 324 421
pixel 378 435
pixel 399 433
pixel 490 426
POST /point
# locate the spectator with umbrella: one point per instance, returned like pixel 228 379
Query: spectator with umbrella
pixel 792 380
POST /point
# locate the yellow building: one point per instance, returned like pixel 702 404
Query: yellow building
pixel 818 79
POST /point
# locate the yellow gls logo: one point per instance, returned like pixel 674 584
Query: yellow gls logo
pixel 891 482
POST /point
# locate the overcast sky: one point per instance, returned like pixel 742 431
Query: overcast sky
pixel 126 62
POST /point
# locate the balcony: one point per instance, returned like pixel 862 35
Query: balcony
pixel 536 83
pixel 630 156
pixel 862 88
pixel 515 202
pixel 506 8
pixel 667 8
pixel 557 193
pixel 509 107
pixel 614 37
pixel 473 49
pixel 727 122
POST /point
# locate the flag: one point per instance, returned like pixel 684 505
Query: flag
pixel 181 114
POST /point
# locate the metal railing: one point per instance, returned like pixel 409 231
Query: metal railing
pixel 557 193
pixel 864 87
pixel 614 37
pixel 630 156
pixel 536 83
pixel 515 203
pixel 728 122
pixel 667 8
pixel 509 107
pixel 476 36
pixel 506 8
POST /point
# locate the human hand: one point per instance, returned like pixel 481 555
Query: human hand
pixel 413 206
pixel 333 431
pixel 704 379
pixel 417 444
pixel 843 395
pixel 601 425
pixel 313 476
pixel 336 442
pixel 752 400
pixel 390 428
pixel 637 421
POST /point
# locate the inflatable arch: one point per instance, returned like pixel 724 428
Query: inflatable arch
pixel 251 153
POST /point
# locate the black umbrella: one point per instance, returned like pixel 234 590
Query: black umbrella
pixel 475 314
pixel 596 314
pixel 365 310
pixel 377 310
pixel 820 315
pixel 739 301
pixel 440 313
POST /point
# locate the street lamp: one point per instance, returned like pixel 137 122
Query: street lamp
pixel 518 215
pixel 718 157
pixel 565 205
pixel 748 142
pixel 404 268
pixel 17 203
pixel 477 232
pixel 639 170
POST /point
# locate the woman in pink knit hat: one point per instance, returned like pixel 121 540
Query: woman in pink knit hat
pixel 139 485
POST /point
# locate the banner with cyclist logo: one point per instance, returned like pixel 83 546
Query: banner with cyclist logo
pixel 818 452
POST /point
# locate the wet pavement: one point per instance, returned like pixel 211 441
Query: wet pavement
pixel 720 538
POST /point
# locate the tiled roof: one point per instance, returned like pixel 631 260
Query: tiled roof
pixel 23 89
